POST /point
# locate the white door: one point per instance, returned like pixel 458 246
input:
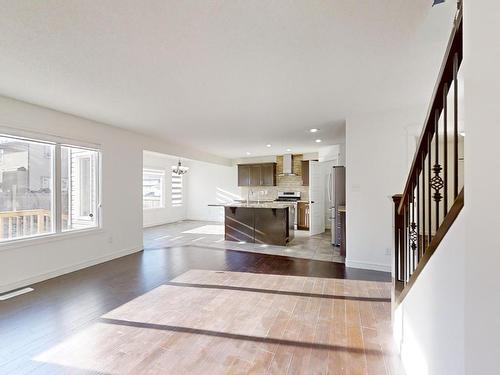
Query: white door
pixel 316 199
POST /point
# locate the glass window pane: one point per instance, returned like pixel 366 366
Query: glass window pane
pixel 152 188
pixel 26 188
pixel 79 189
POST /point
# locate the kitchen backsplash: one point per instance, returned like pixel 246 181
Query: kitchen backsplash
pixel 284 183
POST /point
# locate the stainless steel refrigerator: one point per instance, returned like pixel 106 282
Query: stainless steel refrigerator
pixel 336 198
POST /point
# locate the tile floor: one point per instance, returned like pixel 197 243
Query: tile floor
pixel 211 235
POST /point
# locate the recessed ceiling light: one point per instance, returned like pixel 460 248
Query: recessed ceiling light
pixel 288 149
pixel 318 141
pixel 249 153
pixel 268 145
pixel 313 130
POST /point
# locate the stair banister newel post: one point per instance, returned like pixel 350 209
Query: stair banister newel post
pixel 399 241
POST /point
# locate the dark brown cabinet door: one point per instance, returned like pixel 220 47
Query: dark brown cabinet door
pixel 255 175
pixel 268 172
pixel 271 226
pixel 305 172
pixel 243 175
pixel 303 215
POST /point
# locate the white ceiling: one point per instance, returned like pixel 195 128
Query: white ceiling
pixel 225 77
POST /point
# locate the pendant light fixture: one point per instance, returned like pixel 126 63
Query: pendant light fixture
pixel 179 169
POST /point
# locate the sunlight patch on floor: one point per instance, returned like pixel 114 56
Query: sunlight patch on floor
pixel 211 321
pixel 207 229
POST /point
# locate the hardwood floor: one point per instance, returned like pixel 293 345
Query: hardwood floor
pixel 211 235
pixel 82 308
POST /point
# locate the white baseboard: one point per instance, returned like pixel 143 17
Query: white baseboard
pixel 64 270
pixel 368 266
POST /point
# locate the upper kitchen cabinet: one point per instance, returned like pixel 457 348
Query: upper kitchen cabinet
pixel 257 174
pixel 243 175
pixel 268 174
pixel 305 172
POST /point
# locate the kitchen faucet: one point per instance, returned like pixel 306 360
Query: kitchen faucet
pixel 249 191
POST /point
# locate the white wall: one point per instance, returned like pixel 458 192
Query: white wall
pixel 335 153
pixel 429 323
pixel 34 260
pixel 121 199
pixel 168 213
pixel 210 184
pixel 376 169
pixel 482 179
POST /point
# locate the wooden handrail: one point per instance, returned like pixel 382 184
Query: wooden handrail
pixel 455 45
pixel 18 213
pixel 422 215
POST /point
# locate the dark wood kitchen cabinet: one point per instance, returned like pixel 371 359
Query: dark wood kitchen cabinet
pixel 257 174
pixel 268 173
pixel 303 215
pixel 243 175
pixel 305 172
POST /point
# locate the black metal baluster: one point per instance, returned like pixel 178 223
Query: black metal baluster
pixel 437 181
pixel 423 208
pixel 405 226
pixel 413 229
pixel 455 126
pixel 445 150
pixel 419 244
pixel 408 248
pixel 429 169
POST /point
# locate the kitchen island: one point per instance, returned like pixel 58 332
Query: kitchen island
pixel 268 223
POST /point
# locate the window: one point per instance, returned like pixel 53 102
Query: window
pixel 78 188
pixel 46 187
pixel 152 188
pixel 176 190
pixel 26 191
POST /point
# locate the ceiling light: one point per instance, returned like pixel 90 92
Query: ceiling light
pixel 313 130
pixel 288 150
pixel 268 145
pixel 248 153
pixel 179 169
pixel 318 141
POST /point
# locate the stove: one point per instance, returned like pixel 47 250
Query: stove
pixel 290 196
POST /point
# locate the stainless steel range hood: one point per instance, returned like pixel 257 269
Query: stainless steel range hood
pixel 287 165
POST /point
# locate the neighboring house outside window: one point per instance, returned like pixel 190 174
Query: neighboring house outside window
pixel 152 188
pixel 36 197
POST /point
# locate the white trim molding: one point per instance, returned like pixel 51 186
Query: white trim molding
pixel 64 270
pixel 368 266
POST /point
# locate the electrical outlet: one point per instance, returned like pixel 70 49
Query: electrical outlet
pixel 388 251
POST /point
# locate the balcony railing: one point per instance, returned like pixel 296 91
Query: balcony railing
pixel 15 224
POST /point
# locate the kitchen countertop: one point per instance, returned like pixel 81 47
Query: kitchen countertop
pixel 270 204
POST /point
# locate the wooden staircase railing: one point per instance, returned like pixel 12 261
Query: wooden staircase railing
pixel 433 195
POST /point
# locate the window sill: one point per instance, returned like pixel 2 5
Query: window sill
pixel 46 238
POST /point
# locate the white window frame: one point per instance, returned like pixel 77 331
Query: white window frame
pixel 56 142
pixel 157 172
pixel 97 182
